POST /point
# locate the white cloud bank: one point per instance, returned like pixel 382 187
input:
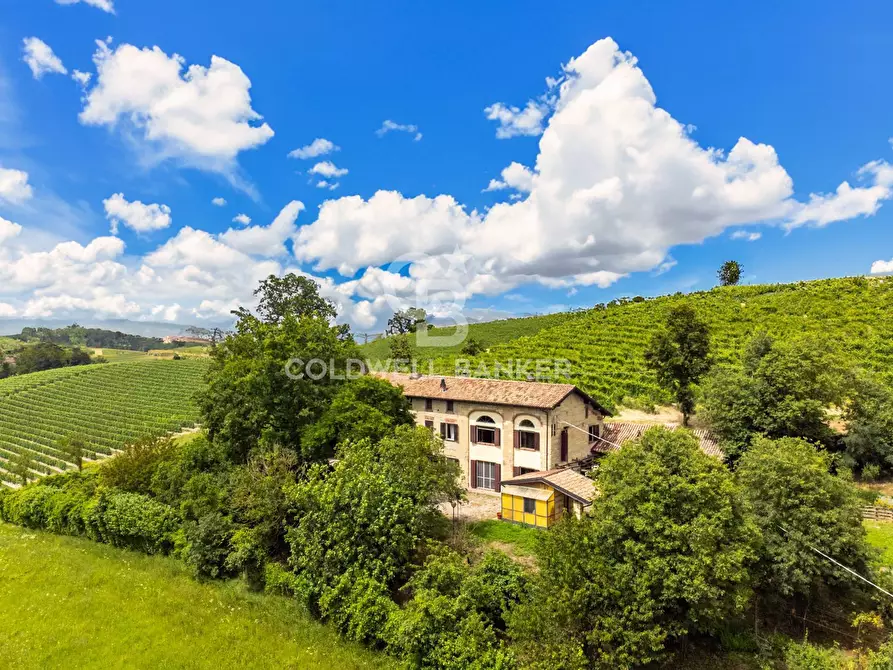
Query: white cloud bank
pixel 617 183
pixel 39 56
pixel 881 267
pixel 135 215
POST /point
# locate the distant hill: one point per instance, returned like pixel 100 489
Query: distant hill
pixel 143 328
pixel 606 345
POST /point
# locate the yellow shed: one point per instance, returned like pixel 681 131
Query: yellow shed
pixel 541 498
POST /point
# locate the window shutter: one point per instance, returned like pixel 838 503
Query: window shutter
pixel 497 477
pixel 498 437
pixel 536 441
pixel 443 430
pixel 516 471
pixel 517 439
pixel 474 434
pixel 474 474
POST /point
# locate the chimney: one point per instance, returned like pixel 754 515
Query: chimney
pixel 443 386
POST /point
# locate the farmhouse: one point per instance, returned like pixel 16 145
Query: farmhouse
pixel 499 428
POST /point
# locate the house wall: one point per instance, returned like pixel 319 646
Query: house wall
pixel 547 422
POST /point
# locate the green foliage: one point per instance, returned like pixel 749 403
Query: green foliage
pixel 869 418
pixel 472 347
pixel 131 520
pixel 729 273
pixel 132 469
pixel 208 545
pixel 605 346
pixel 679 355
pixel 47 356
pixel 400 350
pixel 73 448
pixel 871 472
pixel 291 296
pixel 782 389
pixel 798 504
pixel 664 552
pixel 364 408
pixel 406 321
pixel 370 512
pixel 22 466
pixel 255 396
pixel 106 406
pixel 805 656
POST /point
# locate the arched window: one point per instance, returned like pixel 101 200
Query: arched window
pixel 527 436
pixel 484 431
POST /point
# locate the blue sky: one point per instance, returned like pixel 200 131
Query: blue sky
pixel 618 194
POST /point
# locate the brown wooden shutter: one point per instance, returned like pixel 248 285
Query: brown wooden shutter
pixel 517 439
pixel 474 474
pixel 474 434
pixel 443 430
pixel 564 445
pixel 536 441
pixel 516 471
pixel 497 477
pixel 498 437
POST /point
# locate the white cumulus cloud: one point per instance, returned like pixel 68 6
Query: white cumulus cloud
pixel 265 240
pixel 318 147
pixel 202 116
pixel 40 58
pixel 880 267
pixel 219 202
pixel 135 215
pixel 848 202
pixel 388 126
pixel 328 169
pixel 244 219
pixel 14 186
pixel 514 121
pixel 515 176
pixel 104 5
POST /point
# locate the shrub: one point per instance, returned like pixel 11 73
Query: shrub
pixel 132 469
pixel 131 520
pixel 208 544
pixel 805 656
pixel 871 472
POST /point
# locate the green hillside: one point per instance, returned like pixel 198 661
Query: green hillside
pixel 606 346
pixel 487 334
pixel 106 405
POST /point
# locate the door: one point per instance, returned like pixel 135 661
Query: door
pixel 564 445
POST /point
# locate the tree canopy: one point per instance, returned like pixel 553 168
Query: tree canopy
pixel 680 355
pixel 406 321
pixel 729 273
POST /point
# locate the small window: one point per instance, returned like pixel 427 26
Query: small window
pixel 485 435
pixel 527 423
pixel 449 432
pixel 527 440
pixel 529 506
pixel 429 425
pixel 429 404
pixel 485 419
pixel 486 475
pixel 450 406
pixel 524 471
pixel 594 432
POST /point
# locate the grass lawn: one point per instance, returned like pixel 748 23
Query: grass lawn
pixel 68 602
pixel 880 535
pixel 119 355
pixel 522 539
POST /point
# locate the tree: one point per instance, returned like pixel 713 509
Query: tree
pixel 23 464
pixel 869 420
pixel 41 356
pixel 782 389
pixel 664 552
pixel 406 321
pixel 364 408
pixel 472 347
pixel 274 377
pixel 401 349
pixel 679 355
pixel 368 515
pixel 292 295
pixel 798 504
pixel 729 273
pixel 73 447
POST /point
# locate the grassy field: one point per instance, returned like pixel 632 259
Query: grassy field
pixel 119 355
pixel 605 347
pixel 107 405
pixel 71 603
pixel 880 536
pixel 521 539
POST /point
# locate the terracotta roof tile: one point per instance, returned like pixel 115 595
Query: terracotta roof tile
pixel 618 433
pixel 570 482
pixel 474 389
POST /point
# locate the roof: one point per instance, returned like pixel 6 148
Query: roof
pixel 492 391
pixel 526 492
pixel 569 482
pixel 618 433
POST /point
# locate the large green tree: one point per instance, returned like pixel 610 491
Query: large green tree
pixel 800 506
pixel 869 420
pixel 367 516
pixel 781 389
pixel 729 273
pixel 664 552
pixel 680 355
pixel 276 375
